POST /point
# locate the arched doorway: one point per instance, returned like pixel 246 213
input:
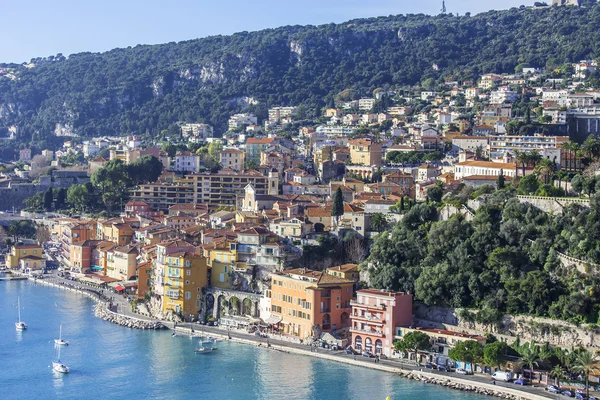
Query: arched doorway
pixel 235 306
pixel 358 343
pixel 247 307
pixel 210 303
pixel 222 306
pixel 368 344
pixel 326 325
pixel 378 347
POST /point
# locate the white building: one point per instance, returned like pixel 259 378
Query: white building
pixel 469 143
pixel 483 168
pixel 503 95
pixel 366 104
pixel 277 113
pixel 238 120
pixel 187 162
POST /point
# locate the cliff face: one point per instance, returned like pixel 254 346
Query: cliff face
pixel 148 88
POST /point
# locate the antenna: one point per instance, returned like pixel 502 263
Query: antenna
pixel 443 7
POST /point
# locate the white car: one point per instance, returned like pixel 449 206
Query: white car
pixel 462 371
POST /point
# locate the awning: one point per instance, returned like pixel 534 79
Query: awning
pixel 119 288
pixel 273 320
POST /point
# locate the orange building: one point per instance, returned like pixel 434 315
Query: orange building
pixel 375 316
pixel 308 302
pixel 81 255
pixel 144 278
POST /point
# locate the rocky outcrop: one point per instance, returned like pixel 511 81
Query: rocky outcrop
pixel 101 312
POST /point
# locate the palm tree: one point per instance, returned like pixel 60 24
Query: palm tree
pixel 558 373
pixel 568 147
pixel 586 363
pixel 523 158
pixel 545 169
pixel 534 158
pixel 529 356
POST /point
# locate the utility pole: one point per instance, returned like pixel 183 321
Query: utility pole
pixel 443 7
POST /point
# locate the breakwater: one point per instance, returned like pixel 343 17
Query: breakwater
pixel 101 311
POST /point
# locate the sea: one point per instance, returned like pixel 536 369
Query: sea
pixel 108 361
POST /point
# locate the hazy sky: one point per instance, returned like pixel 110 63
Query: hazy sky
pixel 38 28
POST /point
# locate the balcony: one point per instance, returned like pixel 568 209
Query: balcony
pixel 370 318
pixel 375 307
pixel 326 294
pixel 325 310
pixel 368 332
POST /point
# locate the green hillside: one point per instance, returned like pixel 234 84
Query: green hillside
pixel 146 89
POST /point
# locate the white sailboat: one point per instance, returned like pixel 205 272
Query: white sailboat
pixel 58 366
pixel 20 325
pixel 202 350
pixel 60 341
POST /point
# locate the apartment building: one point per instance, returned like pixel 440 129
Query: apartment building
pixel 501 145
pixel 366 104
pixel 374 318
pixel 163 250
pixel 308 302
pixel 483 168
pixel 255 146
pixel 239 120
pixel 187 162
pixel 277 113
pixel 185 275
pixel 22 251
pixel 233 158
pixel 365 152
pixel 217 189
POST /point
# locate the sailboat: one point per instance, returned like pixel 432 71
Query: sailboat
pixel 60 341
pixel 58 366
pixel 20 325
pixel 202 350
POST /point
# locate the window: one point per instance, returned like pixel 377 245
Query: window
pixel 188 295
pixel 188 272
pixel 199 290
pixel 221 277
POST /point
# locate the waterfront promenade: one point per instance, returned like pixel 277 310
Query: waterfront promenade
pixel 119 304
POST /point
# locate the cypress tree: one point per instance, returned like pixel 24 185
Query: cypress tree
pixel 48 199
pixel 338 203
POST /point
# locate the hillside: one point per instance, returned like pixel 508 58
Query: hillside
pixel 146 89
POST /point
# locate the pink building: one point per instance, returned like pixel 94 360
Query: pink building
pixel 375 316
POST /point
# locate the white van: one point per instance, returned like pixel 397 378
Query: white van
pixel 501 376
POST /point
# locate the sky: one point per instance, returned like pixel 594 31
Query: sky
pixel 40 28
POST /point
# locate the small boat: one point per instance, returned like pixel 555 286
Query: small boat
pixel 60 341
pixel 203 350
pixel 58 366
pixel 20 325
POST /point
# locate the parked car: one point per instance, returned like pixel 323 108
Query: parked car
pixel 521 381
pixel 442 368
pixel 502 376
pixel 429 365
pixel 367 354
pixel 462 371
pixel 553 389
pixel 567 393
pixel 383 356
pixel 350 351
pixel 580 396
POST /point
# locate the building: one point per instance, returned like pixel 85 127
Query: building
pixel 25 155
pixel 503 95
pixel 218 189
pixel 366 104
pixel 501 145
pixel 255 146
pixel 239 120
pixel 20 251
pixel 308 302
pixel 187 162
pixel 374 318
pixel 487 168
pixel 365 152
pixel 186 274
pixel 277 113
pixel 233 158
pixel 202 131
pixel 469 143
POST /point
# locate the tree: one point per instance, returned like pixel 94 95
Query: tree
pixel 18 229
pixel 379 222
pixel 434 194
pixel 355 250
pixel 338 204
pixel 528 185
pixel 79 197
pixel 494 354
pixel 558 373
pixel 39 166
pixel 61 198
pixel 413 342
pixel 48 199
pixel 469 351
pixel 145 169
pixel 529 356
pixel 577 184
pixel 585 364
pixel 500 184
pixel 42 234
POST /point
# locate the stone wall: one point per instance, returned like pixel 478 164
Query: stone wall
pixel 541 330
pixel 553 205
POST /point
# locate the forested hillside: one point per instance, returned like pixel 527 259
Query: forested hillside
pixel 146 89
pixel 505 260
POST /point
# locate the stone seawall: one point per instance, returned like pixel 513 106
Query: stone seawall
pixel 134 323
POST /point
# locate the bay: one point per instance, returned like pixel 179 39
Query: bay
pixel 109 361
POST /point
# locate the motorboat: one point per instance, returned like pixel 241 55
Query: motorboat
pixel 203 350
pixel 20 325
pixel 60 341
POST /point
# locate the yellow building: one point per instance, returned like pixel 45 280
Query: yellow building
pixel 185 276
pixel 233 158
pixel 125 262
pixel 21 251
pixel 346 271
pixel 222 259
pixel 365 152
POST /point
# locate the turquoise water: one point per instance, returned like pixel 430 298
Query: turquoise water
pixel 108 361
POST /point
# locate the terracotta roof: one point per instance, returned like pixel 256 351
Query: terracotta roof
pixel 487 164
pixel 259 140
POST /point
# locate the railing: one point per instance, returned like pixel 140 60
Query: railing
pixel 356 303
pixel 368 332
pixel 325 310
pixel 369 318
